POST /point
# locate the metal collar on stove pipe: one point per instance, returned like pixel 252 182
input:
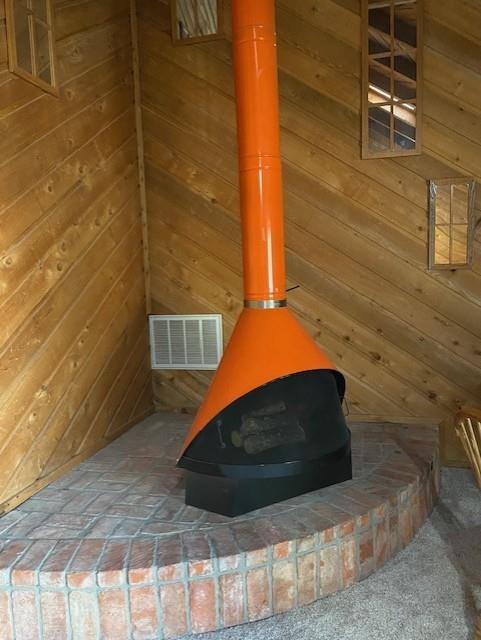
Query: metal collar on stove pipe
pixel 255 67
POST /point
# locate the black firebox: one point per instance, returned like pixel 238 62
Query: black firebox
pixel 280 440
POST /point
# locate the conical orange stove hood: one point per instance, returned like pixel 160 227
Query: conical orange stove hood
pixel 265 345
pixel 268 386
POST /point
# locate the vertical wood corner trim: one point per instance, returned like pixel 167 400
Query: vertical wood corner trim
pixel 140 152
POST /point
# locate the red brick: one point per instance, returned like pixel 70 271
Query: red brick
pixel 198 552
pixel 366 553
pixel 77 522
pixel 306 578
pixel 328 535
pixel 24 572
pixel 232 599
pixel 364 520
pixel 141 562
pixel 54 615
pixel 171 572
pixel 5 618
pixel 83 615
pixel 82 568
pixel 283 586
pixel 53 569
pixel 416 512
pixel 361 497
pixel 346 528
pixel 394 543
pixel 143 613
pixel 366 547
pixel 332 514
pixel 381 543
pixel 380 512
pixel 254 558
pixel 330 570
pixel 103 528
pixel 349 562
pixel 8 557
pixel 113 615
pixel 201 568
pixel 258 594
pixel 25 618
pixel 172 599
pixel 202 606
pixel 227 563
pixel 306 544
pixel 225 546
pixel 111 578
pixel 282 550
pixel 405 526
pixel 10 519
pixel 112 564
pixel 81 579
pixel 170 555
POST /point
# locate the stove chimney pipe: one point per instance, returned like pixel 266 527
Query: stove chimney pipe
pixel 255 67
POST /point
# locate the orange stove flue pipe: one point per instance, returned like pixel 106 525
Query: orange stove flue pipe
pixel 260 180
pixel 267 343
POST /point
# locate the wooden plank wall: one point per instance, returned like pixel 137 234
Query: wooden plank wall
pixel 74 369
pixel 408 341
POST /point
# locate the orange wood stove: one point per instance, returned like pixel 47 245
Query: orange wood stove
pixel 271 425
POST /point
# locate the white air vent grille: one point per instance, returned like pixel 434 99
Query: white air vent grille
pixel 186 342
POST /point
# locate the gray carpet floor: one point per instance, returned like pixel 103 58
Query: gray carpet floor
pixel 429 591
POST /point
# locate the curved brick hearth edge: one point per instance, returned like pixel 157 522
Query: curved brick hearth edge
pixel 110 552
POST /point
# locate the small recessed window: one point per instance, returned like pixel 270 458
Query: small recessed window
pixel 195 20
pixel 391 77
pixel 451 223
pixel 31 42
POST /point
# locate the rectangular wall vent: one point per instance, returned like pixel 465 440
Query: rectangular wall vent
pixel 186 342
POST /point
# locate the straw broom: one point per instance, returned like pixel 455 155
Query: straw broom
pixel 468 429
pixel 477 631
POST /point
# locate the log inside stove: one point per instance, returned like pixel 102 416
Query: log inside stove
pixel 267 428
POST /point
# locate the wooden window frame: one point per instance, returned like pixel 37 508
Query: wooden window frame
pixel 366 153
pixel 13 65
pixel 471 222
pixel 196 39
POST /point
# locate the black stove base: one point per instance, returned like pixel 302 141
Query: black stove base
pixel 232 490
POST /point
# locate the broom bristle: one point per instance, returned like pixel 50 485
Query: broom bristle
pixel 468 430
pixel 477 631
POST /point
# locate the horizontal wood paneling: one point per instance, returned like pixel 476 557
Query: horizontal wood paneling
pixel 74 369
pixel 408 341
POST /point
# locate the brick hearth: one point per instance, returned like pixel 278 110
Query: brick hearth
pixel 110 551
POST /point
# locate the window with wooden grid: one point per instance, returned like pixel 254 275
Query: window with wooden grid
pixel 391 77
pixel 195 20
pixel 451 222
pixel 31 42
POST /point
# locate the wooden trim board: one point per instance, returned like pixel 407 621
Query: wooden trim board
pixel 140 153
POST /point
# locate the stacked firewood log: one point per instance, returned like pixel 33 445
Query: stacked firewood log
pixel 267 428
